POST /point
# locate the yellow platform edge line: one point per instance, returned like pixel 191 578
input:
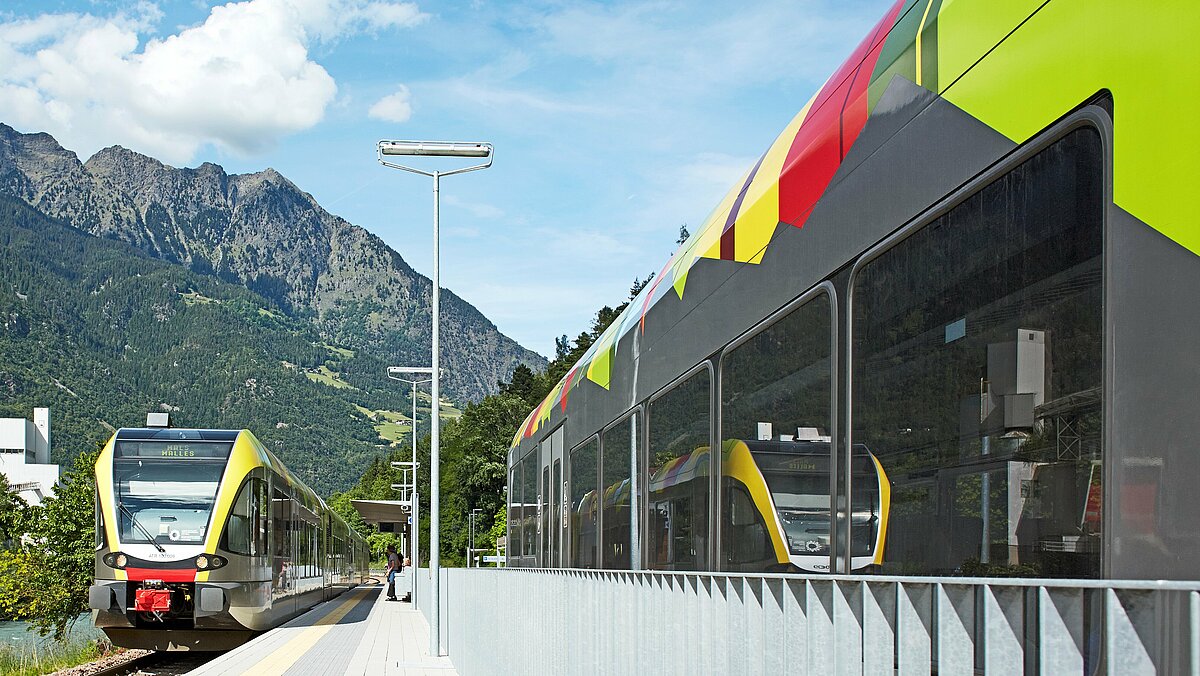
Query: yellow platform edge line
pixel 289 653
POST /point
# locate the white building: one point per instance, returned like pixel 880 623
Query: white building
pixel 25 456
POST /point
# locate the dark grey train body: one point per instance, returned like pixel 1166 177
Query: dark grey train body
pixel 1110 428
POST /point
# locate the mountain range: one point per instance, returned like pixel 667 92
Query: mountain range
pixel 127 285
pixel 261 231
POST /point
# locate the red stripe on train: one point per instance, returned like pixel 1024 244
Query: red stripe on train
pixel 164 574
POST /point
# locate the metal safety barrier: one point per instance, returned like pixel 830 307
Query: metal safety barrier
pixel 530 621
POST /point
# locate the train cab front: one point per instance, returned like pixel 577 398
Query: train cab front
pixel 156 491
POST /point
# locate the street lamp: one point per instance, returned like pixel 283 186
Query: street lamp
pixel 398 373
pixel 434 149
pixel 471 547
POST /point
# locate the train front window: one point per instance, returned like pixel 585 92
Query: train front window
pixel 802 501
pixel 165 490
pixel 776 390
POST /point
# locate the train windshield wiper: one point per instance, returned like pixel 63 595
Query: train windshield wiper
pixel 137 524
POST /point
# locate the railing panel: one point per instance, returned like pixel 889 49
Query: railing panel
pixel 954 647
pixel 819 607
pixel 1128 622
pixel 847 635
pixel 1003 628
pixel 774 656
pixel 623 622
pixel 878 628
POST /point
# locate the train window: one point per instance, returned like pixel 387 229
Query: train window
pixel 619 494
pixel 544 511
pixel 100 536
pixel 745 543
pixel 556 524
pixel 245 531
pixel 529 529
pixel 977 375
pixel 776 393
pixel 514 515
pixel 585 505
pixel 281 545
pixel 678 424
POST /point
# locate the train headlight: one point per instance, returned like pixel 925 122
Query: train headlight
pixel 217 562
pixel 115 560
pixel 202 562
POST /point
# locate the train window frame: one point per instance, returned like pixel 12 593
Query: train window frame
pixel 570 475
pixel 824 288
pixel 529 557
pixel 635 472
pixel 644 464
pixel 1091 115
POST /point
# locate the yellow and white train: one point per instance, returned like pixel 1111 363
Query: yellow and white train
pixel 204 537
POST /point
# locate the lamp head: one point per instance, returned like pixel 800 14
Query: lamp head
pixel 436 148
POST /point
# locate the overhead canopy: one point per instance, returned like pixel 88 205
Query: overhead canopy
pixel 382 511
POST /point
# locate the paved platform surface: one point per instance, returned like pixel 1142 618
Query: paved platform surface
pixel 356 633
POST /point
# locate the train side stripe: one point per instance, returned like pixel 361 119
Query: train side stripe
pixel 108 503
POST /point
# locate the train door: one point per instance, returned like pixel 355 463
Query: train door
pixel 543 518
pixel 550 499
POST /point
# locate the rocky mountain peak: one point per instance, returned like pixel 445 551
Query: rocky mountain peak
pixel 261 230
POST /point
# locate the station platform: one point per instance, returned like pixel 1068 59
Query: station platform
pixel 356 633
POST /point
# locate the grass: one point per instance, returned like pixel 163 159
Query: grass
pixel 343 352
pixel 29 658
pixel 322 374
pixel 196 298
pixel 389 425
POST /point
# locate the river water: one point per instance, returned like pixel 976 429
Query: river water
pixel 18 633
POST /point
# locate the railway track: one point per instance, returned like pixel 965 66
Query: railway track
pixel 158 664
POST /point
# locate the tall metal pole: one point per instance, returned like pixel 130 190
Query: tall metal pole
pixel 435 473
pixel 435 149
pixel 415 531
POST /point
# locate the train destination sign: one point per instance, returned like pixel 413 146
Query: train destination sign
pixel 173 449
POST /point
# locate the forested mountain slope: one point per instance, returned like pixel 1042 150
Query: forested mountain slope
pixel 101 333
pixel 260 231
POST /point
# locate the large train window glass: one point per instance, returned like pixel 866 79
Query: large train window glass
pixel 677 499
pixel 776 392
pixel 544 511
pixel 529 526
pixel 619 490
pixel 281 542
pixel 514 515
pixel 585 505
pixel 245 531
pixel 977 376
pixel 165 500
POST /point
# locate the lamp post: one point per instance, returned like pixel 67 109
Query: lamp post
pixel 434 149
pixel 471 547
pixel 396 373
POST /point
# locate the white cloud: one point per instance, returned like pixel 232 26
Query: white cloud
pixel 395 107
pixel 241 80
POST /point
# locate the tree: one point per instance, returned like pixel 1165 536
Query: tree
pixel 12 512
pixel 45 580
pixel 683 234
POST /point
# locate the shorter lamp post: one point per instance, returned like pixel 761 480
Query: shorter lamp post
pixel 471 546
pixel 398 373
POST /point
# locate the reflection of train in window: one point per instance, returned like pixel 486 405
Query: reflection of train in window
pixel 777 497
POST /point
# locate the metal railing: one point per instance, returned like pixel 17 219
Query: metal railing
pixel 528 621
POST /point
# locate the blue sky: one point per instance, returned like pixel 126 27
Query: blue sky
pixel 614 123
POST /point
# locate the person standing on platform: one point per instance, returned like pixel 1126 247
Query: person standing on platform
pixel 393 567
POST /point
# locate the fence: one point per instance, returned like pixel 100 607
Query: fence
pixel 531 621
